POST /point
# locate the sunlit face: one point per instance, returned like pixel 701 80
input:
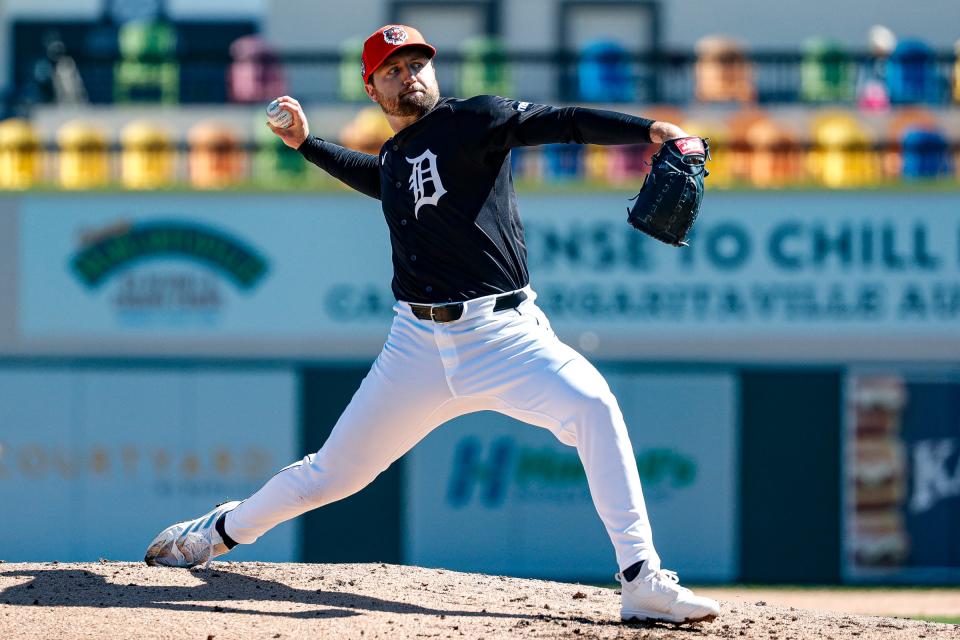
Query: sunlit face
pixel 405 84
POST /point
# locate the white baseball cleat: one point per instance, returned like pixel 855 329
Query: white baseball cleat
pixel 187 544
pixel 657 595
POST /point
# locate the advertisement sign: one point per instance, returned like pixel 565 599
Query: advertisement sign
pixel 489 494
pixel 95 462
pixel 767 276
pixel 903 477
pixel 182 266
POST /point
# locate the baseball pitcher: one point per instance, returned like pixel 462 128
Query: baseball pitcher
pixel 467 334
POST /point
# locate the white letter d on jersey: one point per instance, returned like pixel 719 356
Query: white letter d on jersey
pixel 424 171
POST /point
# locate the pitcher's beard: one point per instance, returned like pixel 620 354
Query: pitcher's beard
pixel 411 104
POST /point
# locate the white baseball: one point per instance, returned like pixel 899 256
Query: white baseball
pixel 278 117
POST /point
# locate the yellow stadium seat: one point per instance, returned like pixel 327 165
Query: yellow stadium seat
pixel 148 157
pixel 956 74
pixel 84 156
pixel 718 138
pixel 842 155
pixel 596 163
pixel 367 131
pixel 20 155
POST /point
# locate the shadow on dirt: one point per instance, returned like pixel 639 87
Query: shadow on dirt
pixel 80 588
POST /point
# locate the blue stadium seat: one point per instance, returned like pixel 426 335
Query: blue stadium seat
pixel 604 73
pixel 926 154
pixel 912 74
pixel 563 161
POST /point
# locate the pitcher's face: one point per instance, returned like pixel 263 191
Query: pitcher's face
pixel 405 84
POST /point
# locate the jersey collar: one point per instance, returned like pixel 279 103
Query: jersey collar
pixel 443 105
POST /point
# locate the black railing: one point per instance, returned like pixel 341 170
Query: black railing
pixel 667 78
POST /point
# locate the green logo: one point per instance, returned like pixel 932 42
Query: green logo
pixel 546 474
pixel 111 252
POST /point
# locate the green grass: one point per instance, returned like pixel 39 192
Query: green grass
pixel 940 619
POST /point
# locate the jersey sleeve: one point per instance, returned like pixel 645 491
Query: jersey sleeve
pixel 357 170
pixel 514 123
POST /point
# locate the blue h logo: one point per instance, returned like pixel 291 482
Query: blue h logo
pixel 469 470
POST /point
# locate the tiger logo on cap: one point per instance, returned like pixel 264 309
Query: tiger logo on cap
pixel 395 35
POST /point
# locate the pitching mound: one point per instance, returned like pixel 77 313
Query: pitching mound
pixel 262 600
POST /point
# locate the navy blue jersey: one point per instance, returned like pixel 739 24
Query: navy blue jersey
pixel 447 189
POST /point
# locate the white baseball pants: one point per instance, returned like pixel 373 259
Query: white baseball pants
pixel 428 373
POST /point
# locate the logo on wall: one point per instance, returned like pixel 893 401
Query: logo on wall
pixel 166 266
pixel 504 470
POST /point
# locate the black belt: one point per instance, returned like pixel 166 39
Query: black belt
pixel 448 312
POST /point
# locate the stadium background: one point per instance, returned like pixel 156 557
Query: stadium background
pixel 188 306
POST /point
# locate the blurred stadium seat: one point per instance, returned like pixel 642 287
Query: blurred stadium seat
pixel 148 69
pixel 740 150
pixel 628 162
pixel 596 163
pixel 842 154
pixel 367 131
pixel 723 71
pixel 528 163
pixel 632 161
pixel 148 157
pixel 777 159
pixel 350 87
pixel 256 74
pixel 216 159
pixel 912 74
pixel 84 156
pixel 274 163
pixel 901 120
pixel 485 69
pixel 826 73
pixel 956 72
pixel 718 137
pixel 563 161
pixel 926 154
pixel 20 155
pixel 604 74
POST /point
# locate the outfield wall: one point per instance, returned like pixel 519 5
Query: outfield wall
pixel 151 342
pixel 786 277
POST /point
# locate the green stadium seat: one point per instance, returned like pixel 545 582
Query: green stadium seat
pixel 351 80
pixel 148 70
pixel 826 73
pixel 485 68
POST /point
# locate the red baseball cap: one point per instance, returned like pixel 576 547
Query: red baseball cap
pixel 384 42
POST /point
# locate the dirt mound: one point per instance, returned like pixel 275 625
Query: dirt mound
pixel 262 600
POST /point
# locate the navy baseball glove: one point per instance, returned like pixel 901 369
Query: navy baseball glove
pixel 670 197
